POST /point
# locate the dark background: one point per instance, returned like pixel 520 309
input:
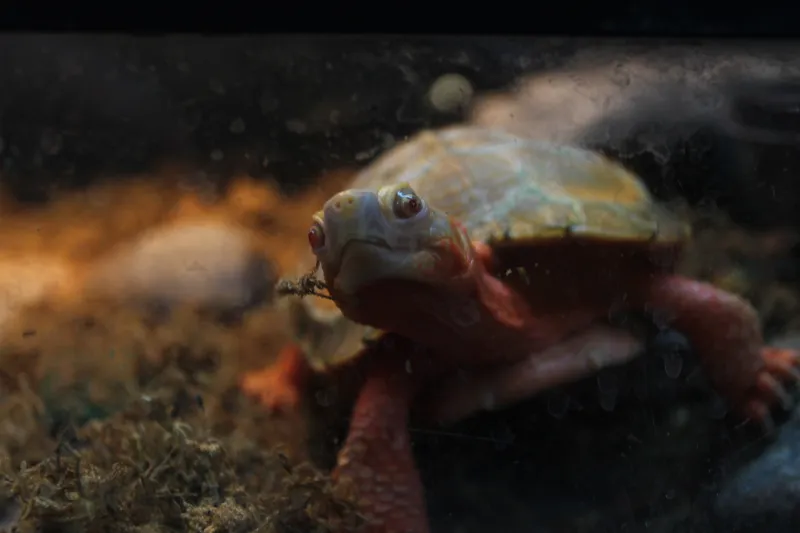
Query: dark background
pixel 76 106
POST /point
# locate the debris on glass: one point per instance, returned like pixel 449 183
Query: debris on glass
pixel 305 285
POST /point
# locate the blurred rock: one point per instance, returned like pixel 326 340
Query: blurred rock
pixel 450 93
pixel 765 494
pixel 211 264
pixel 610 94
pixel 762 489
pixel 25 280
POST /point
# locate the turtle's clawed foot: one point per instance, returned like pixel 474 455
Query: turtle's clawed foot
pixel 279 386
pixel 268 389
pixel 782 369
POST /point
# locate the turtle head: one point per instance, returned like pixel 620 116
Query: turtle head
pixel 362 237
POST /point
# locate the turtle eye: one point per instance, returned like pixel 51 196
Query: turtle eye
pixel 316 236
pixel 407 204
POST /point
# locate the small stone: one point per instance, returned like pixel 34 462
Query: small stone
pixel 450 93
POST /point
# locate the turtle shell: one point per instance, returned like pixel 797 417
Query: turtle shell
pixel 325 336
pixel 507 191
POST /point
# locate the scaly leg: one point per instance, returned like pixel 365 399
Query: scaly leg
pixel 726 334
pixel 280 385
pixel 576 357
pixel 376 460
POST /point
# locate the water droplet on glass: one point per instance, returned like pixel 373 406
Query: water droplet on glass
pixel 51 142
pixel 323 399
pixel 488 401
pixel 717 408
pixel 268 103
pixel 465 314
pixel 673 363
pixel 680 417
pixel 503 438
pixel 640 387
pixel 607 382
pixel 557 404
pixel 608 400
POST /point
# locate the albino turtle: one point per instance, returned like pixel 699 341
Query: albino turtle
pixel 421 247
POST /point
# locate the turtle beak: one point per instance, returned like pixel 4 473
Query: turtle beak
pixel 365 262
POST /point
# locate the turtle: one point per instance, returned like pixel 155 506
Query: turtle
pixel 473 248
pixel 325 342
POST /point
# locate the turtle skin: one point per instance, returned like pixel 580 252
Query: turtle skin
pixel 588 240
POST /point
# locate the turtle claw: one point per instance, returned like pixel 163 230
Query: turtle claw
pixel 774 392
pixel 783 363
pixel 766 423
pixel 770 390
pixel 758 412
pixel 275 397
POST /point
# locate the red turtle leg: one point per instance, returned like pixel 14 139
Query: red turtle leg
pixel 376 460
pixel 725 331
pixel 280 385
pixel 570 360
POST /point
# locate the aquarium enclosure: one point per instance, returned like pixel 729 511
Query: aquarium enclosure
pixel 464 284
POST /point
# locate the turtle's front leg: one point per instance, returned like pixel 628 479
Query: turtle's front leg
pixel 726 334
pixel 280 385
pixel 376 461
pixel 574 358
